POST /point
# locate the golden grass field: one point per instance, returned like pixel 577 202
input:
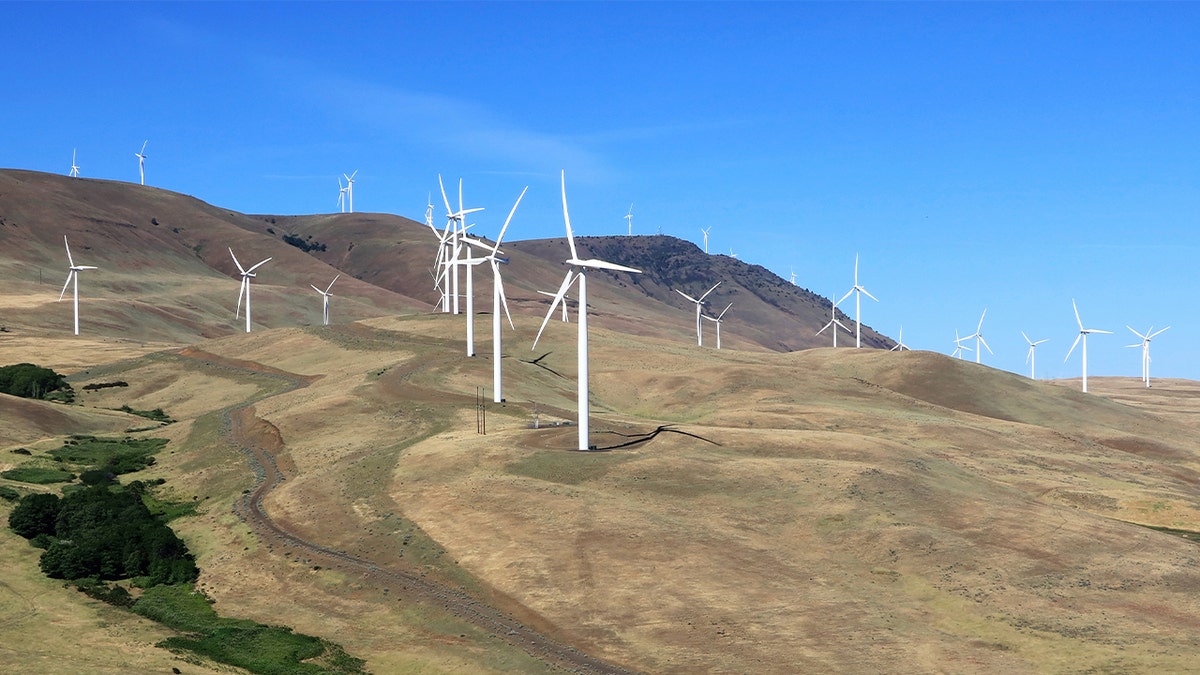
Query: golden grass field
pixel 831 511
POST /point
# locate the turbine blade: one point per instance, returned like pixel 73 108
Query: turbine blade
pixel 724 310
pixel 258 264
pixel 1157 332
pixel 64 290
pixel 241 292
pixel 1073 345
pixel 1076 308
pixel 235 261
pixel 70 262
pixel 317 289
pixel 567 218
pixel 709 291
pixel 332 282
pixel 500 288
pixel 985 344
pixel 1027 338
pixel 824 327
pixel 605 265
pixel 687 296
pixel 558 297
pixel 868 294
pixel 980 327
pixel 449 211
pixel 504 229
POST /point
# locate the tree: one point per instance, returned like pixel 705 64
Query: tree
pixel 30 381
pixel 35 514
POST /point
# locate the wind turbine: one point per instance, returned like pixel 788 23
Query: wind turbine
pixel 350 188
pixel 578 271
pixel 978 336
pixel 142 162
pixel 247 275
pixel 325 295
pixel 629 219
pixel 1029 357
pixel 1082 337
pixel 73 275
pixel 719 319
pixel 74 167
pixel 958 346
pixel 341 196
pixel 900 346
pixel 833 321
pixel 705 231
pixel 498 302
pixel 793 275
pixel 699 306
pixel 1145 345
pixel 564 305
pixel 858 291
pixel 456 223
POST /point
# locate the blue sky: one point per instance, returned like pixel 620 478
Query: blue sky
pixel 1007 156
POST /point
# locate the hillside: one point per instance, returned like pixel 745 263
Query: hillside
pixel 751 509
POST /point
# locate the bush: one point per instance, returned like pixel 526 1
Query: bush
pixel 9 494
pixel 30 381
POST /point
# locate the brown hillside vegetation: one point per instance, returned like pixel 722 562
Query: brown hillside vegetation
pixel 817 511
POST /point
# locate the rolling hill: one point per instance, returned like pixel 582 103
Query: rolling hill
pixel 761 508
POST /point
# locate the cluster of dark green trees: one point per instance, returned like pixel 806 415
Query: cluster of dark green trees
pixel 103 531
pixel 29 381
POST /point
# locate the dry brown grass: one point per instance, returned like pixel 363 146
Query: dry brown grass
pixel 854 510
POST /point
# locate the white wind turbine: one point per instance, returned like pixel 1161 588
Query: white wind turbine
pixel 142 162
pixel 1029 357
pixel 325 296
pixel 719 319
pixel 900 346
pixel 793 275
pixel 578 271
pixel 244 291
pixel 566 300
pixel 350 189
pixel 341 196
pixel 629 219
pixel 456 223
pixel 705 231
pixel 1083 333
pixel 1145 345
pixel 978 337
pixel 699 307
pixel 958 346
pixel 500 302
pixel 73 275
pixel 833 321
pixel 858 292
pixel 74 166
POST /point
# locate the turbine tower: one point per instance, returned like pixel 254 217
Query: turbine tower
pixel 719 319
pixel 833 321
pixel 1029 356
pixel 699 306
pixel 73 275
pixel 498 302
pixel 978 337
pixel 1145 345
pixel 629 219
pixel 578 271
pixel 142 162
pixel 74 166
pixel 350 189
pixel 325 296
pixel 341 196
pixel 1082 337
pixel 858 292
pixel 244 291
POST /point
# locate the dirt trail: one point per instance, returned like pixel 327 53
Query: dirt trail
pixel 261 442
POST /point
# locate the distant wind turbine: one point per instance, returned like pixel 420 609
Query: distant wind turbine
pixel 833 321
pixel 858 291
pixel 719 319
pixel 350 189
pixel 73 275
pixel 325 296
pixel 705 231
pixel 456 222
pixel 978 337
pixel 1029 357
pixel 74 166
pixel 1145 345
pixel 341 195
pixel 500 302
pixel 699 307
pixel 793 275
pixel 142 162
pixel 578 272
pixel 959 348
pixel 1083 333
pixel 900 346
pixel 244 291
pixel 629 219
pixel 565 302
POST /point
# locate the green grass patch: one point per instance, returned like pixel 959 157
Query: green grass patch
pixel 167 510
pixel 38 475
pixel 157 414
pixel 116 455
pixel 1183 534
pixel 9 494
pixel 570 468
pixel 258 648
